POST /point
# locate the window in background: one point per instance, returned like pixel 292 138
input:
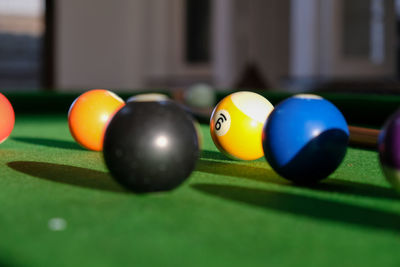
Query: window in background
pixel 364 29
pixel 21 40
pixel 356 23
pixel 198 33
pixel 397 3
pixel 377 52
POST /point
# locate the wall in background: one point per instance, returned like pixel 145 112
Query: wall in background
pixel 343 39
pixel 138 44
pixel 251 33
pixel 141 44
pixel 99 44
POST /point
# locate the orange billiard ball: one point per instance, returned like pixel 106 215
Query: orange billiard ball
pixel 7 118
pixel 89 115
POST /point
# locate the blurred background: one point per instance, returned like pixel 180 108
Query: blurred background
pixel 126 45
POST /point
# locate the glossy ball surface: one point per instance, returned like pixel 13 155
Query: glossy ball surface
pixel 200 95
pixel 7 116
pixel 236 125
pixel 154 97
pixel 151 146
pixel 305 138
pixel 389 150
pixel 148 97
pixel 89 115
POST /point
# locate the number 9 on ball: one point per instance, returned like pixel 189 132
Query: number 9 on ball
pixel 237 122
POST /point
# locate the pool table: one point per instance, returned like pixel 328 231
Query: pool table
pixel 60 207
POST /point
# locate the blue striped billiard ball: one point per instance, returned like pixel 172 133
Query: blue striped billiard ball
pixel 305 138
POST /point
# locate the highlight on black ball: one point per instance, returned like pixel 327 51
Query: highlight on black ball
pixel 151 146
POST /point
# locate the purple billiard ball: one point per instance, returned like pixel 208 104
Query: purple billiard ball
pixel 389 150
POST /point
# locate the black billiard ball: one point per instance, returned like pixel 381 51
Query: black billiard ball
pixel 151 146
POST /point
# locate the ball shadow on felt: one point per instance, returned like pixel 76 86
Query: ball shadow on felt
pixel 53 143
pixel 305 206
pixel 71 175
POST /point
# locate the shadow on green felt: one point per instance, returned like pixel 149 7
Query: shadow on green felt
pixel 49 142
pixel 70 175
pixel 7 261
pixel 356 188
pixel 266 175
pixel 311 207
pixel 215 155
pixel 240 171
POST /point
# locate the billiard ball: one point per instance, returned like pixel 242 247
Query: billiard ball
pixel 151 146
pixel 148 97
pixel 236 125
pixel 7 118
pixel 389 150
pixel 89 114
pixel 305 138
pixel 199 95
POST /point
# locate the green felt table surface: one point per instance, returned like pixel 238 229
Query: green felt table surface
pixel 228 213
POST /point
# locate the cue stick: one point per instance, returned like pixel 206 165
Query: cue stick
pixel 364 137
pixel 359 136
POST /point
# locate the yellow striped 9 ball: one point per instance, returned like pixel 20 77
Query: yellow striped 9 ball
pixel 237 122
